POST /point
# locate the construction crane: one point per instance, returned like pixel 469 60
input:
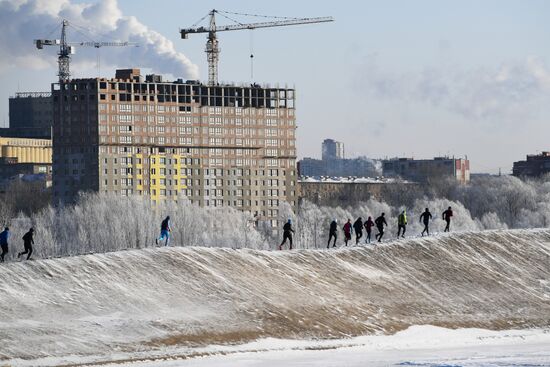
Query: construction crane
pixel 66 49
pixel 212 49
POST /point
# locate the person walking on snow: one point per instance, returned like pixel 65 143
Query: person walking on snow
pixel 28 241
pixel 368 227
pixel 4 236
pixel 333 233
pixel 347 231
pixel 447 214
pixel 287 234
pixel 358 227
pixel 380 222
pixel 402 224
pixel 425 218
pixel 165 230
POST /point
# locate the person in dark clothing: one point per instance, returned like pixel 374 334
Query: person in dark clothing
pixel 287 234
pixel 368 227
pixel 358 227
pixel 402 224
pixel 28 241
pixel 4 236
pixel 447 214
pixel 333 233
pixel 165 230
pixel 380 222
pixel 425 218
pixel 347 231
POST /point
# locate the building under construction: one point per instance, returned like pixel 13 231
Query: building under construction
pixel 215 145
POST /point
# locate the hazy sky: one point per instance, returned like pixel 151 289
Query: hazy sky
pixel 388 78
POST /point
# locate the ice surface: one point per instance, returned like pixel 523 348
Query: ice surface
pixel 155 303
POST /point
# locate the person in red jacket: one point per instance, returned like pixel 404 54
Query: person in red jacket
pixel 447 214
pixel 368 227
pixel 347 231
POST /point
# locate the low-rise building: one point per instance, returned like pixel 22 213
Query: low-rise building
pixel 25 150
pixel 25 158
pixel 424 170
pixel 535 165
pixel 343 191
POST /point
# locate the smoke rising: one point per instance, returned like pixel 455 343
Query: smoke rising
pixel 25 20
pixel 508 90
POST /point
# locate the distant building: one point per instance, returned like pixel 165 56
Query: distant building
pixel 334 164
pixel 423 170
pixel 23 150
pixel 347 191
pixel 31 115
pixel 357 167
pixel 533 166
pixel 332 149
pixel 21 157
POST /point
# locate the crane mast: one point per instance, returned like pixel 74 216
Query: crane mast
pixel 64 53
pixel 66 49
pixel 212 51
pixel 212 44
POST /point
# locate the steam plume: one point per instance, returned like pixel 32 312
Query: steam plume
pixel 25 20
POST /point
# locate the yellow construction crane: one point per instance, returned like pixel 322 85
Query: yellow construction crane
pixel 212 49
pixel 66 49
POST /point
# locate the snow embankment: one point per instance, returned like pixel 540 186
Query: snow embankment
pixel 146 301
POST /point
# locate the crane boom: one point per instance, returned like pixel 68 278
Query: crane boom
pixel 101 44
pixel 66 49
pixel 212 50
pixel 236 27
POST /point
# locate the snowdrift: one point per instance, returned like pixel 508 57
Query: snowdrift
pixel 154 299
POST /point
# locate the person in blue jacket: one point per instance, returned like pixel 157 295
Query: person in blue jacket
pixel 4 236
pixel 165 230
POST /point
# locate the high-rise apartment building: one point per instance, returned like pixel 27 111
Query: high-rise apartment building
pixel 31 115
pixel 222 145
pixel 334 164
pixel 332 149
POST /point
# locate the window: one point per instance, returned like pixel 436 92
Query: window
pixel 125 107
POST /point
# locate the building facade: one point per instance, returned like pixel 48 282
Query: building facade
pixel 535 165
pixel 31 115
pixel 423 170
pixel 222 145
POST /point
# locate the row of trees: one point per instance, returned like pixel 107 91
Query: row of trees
pixel 100 223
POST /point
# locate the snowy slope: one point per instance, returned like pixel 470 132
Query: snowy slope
pixel 149 301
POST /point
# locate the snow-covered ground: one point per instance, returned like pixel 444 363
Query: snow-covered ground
pixel 468 348
pixel 417 346
pixel 182 302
